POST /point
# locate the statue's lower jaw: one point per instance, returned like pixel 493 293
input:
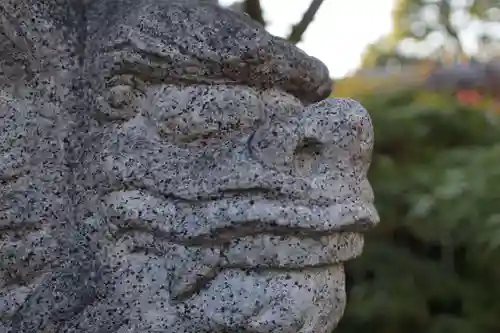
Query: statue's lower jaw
pixel 272 252
pixel 200 292
pixel 306 301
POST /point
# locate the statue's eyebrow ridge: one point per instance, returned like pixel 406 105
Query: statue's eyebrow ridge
pixel 155 66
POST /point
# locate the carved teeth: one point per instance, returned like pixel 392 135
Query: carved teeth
pixel 222 220
pixel 289 252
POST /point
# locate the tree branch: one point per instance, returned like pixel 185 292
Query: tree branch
pixel 254 10
pixel 298 29
pixel 445 12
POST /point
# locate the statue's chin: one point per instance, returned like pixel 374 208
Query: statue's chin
pixel 310 300
pixel 292 252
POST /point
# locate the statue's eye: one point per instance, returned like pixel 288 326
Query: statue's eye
pixel 121 100
pixel 121 96
pixel 123 91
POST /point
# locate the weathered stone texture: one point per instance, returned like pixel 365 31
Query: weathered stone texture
pixel 169 166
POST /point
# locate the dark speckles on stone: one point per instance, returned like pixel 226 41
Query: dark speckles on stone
pixel 157 173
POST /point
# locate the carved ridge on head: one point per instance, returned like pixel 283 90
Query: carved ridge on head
pixel 144 43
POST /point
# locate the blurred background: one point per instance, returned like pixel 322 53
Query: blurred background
pixel 429 73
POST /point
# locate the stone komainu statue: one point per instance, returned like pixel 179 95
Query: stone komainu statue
pixel 169 166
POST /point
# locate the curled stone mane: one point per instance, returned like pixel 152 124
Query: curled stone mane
pixel 169 166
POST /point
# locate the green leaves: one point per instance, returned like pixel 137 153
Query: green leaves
pixel 431 265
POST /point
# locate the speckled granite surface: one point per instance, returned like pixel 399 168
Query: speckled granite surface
pixel 169 166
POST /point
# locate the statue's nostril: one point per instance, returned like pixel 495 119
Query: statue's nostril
pixel 309 157
pixel 309 146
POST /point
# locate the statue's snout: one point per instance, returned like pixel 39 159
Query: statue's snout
pixel 330 130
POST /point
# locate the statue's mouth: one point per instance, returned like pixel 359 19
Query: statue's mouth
pixel 212 220
pixel 202 238
pixel 291 252
pixel 251 229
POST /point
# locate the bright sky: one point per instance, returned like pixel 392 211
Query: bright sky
pixel 340 32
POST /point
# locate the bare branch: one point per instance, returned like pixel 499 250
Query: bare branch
pixel 254 10
pixel 445 14
pixel 299 28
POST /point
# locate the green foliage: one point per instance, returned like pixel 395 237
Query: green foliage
pixel 431 264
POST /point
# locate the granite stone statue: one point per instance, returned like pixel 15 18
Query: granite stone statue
pixel 169 166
